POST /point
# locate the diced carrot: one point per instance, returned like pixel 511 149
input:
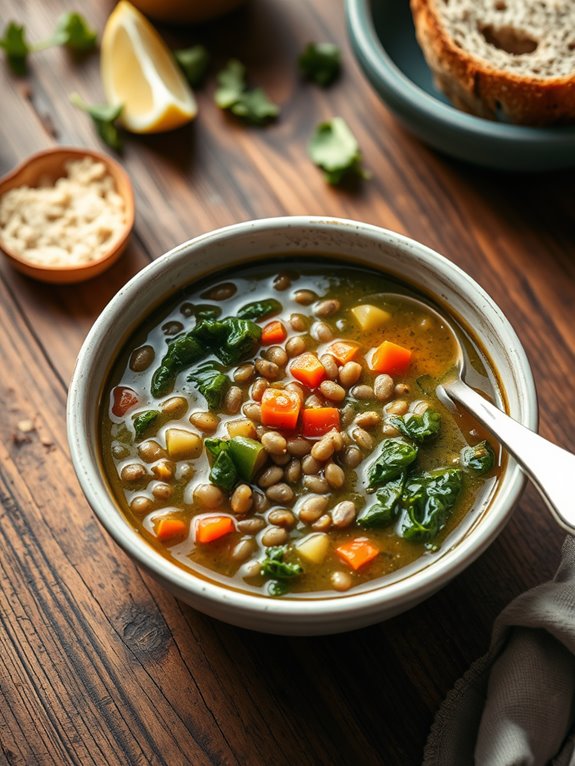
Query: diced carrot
pixel 280 408
pixel 273 332
pixel 390 358
pixel 170 530
pixel 357 552
pixel 318 421
pixel 209 528
pixel 343 351
pixel 308 370
pixel 124 398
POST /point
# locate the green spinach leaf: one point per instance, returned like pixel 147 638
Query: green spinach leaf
pixel 335 150
pixel 386 509
pixel 320 63
pixel 241 339
pixel 479 458
pixel 214 445
pixel 427 502
pixel 143 421
pixel 211 382
pixel 223 472
pixel 417 427
pixel 260 309
pixel 182 352
pixel 194 63
pixel 394 457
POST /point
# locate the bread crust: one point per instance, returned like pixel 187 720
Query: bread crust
pixel 477 87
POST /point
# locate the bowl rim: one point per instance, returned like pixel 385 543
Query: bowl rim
pixel 127 195
pixel 409 98
pixel 311 610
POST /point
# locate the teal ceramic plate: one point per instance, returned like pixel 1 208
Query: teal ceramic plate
pixel 383 39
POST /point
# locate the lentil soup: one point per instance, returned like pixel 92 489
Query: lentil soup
pixel 280 432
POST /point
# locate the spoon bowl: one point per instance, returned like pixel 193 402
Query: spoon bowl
pixel 547 465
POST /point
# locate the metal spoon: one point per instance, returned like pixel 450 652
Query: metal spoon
pixel 550 468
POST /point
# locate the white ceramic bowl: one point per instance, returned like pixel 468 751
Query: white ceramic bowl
pixel 276 238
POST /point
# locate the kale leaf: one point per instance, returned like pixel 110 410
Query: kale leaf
pixel 394 457
pixel 143 421
pixel 386 509
pixel 214 445
pixel 241 340
pixel 320 63
pixel 260 309
pixel 274 565
pixel 479 458
pixel 427 502
pixel 417 427
pixel 211 382
pixel 335 150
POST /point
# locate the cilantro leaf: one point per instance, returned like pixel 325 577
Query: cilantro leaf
pixel 334 149
pixel 251 105
pixel 194 63
pixel 104 117
pixel 73 31
pixel 320 63
pixel 16 47
pixel 231 84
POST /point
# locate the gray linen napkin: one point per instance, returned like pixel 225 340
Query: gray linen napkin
pixel 515 706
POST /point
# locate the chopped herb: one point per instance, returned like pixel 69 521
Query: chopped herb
pixel 211 382
pixel 320 63
pixel 427 502
pixel 480 458
pixel 417 427
pixel 73 31
pixel 16 47
pixel 143 421
pixel 334 149
pixel 104 117
pixel 394 457
pixel 252 106
pixel 260 309
pixel 194 63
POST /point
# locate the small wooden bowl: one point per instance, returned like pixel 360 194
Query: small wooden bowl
pixel 50 164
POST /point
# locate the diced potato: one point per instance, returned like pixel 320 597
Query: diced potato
pixel 241 428
pixel 370 317
pixel 314 548
pixel 183 445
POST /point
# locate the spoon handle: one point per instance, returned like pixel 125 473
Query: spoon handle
pixel 550 468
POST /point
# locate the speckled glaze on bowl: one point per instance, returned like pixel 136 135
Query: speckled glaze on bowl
pixel 383 39
pixel 276 238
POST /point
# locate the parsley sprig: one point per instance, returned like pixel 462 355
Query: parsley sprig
pixel 72 31
pixel 232 94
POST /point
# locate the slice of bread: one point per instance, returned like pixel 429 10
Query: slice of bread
pixel 502 59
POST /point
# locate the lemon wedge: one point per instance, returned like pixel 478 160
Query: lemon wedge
pixel 139 72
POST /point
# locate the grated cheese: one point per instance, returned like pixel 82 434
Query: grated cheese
pixel 69 223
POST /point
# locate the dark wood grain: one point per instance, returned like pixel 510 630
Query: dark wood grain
pixel 98 664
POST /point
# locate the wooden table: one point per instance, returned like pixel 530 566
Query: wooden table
pixel 98 664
